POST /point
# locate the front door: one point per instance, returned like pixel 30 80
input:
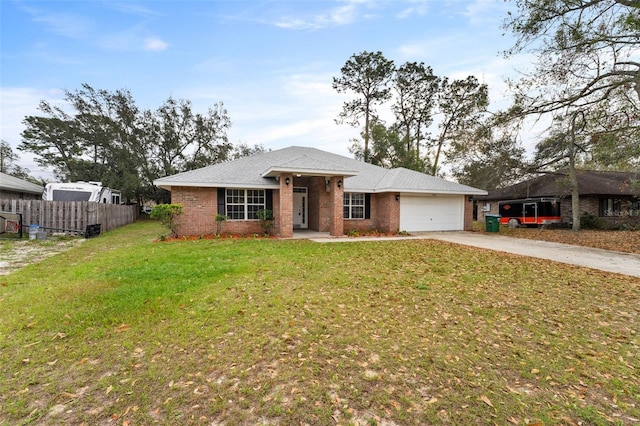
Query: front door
pixel 300 203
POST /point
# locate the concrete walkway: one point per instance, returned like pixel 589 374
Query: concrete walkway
pixel 604 260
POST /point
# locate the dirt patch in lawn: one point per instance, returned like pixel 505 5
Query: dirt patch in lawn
pixel 16 254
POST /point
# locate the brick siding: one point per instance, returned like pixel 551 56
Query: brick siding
pixel 336 204
pixel 325 210
pixel 200 206
pixel 468 214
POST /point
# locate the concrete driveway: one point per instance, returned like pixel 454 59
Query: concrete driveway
pixel 604 260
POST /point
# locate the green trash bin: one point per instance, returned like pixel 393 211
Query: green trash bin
pixel 492 222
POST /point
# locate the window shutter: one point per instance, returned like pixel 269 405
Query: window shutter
pixel 367 206
pixel 269 199
pixel 221 200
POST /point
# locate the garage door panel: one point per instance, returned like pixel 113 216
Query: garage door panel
pixel 431 213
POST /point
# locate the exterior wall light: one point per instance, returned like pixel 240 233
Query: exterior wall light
pixel 340 184
pixel 287 181
pixel 398 197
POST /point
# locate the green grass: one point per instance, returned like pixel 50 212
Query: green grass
pixel 132 331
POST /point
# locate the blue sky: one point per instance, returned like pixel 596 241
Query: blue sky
pixel 270 62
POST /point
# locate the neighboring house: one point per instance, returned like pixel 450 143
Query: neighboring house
pixel 13 188
pixel 614 197
pixel 307 188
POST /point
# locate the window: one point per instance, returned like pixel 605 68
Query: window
pixel 243 204
pixel 63 195
pixel 353 205
pixel 619 207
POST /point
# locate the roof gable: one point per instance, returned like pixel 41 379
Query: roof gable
pixel 307 165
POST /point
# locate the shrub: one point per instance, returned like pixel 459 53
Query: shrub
pixel 220 219
pixel 166 214
pixel 589 221
pixel 266 220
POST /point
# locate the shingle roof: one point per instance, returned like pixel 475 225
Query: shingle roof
pixel 590 182
pixel 12 183
pixel 259 171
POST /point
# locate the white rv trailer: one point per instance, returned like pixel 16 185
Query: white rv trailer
pixel 81 191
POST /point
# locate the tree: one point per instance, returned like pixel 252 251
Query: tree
pixel 167 215
pixel 562 150
pixel 420 97
pixel 55 144
pixel 417 89
pixel 244 150
pixel 109 139
pixel 388 149
pixel 594 42
pixel 367 75
pixel 587 58
pixel 587 76
pixel 614 132
pixel 7 157
pixel 489 158
pixel 186 140
pixel 461 104
pixel 9 166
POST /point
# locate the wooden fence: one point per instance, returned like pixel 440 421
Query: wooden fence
pixel 70 216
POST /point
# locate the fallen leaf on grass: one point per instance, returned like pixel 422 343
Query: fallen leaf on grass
pixel 68 395
pixel 121 328
pixel 486 400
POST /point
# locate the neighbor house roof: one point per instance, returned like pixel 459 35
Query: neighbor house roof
pixel 260 170
pixel 590 182
pixel 13 184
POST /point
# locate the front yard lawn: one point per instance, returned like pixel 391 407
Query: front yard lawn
pixel 123 330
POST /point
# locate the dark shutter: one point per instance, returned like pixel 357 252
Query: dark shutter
pixel 367 206
pixel 269 199
pixel 221 200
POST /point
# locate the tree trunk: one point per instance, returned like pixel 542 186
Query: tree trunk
pixel 575 197
pixel 573 180
pixel 366 135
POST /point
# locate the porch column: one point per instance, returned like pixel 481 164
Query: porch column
pixel 336 204
pixel 285 216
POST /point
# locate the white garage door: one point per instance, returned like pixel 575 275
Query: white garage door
pixel 431 213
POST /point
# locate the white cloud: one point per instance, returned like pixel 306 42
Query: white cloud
pixel 132 39
pixel 132 9
pixel 65 24
pixel 486 12
pixel 155 44
pixel 417 7
pixel 341 15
